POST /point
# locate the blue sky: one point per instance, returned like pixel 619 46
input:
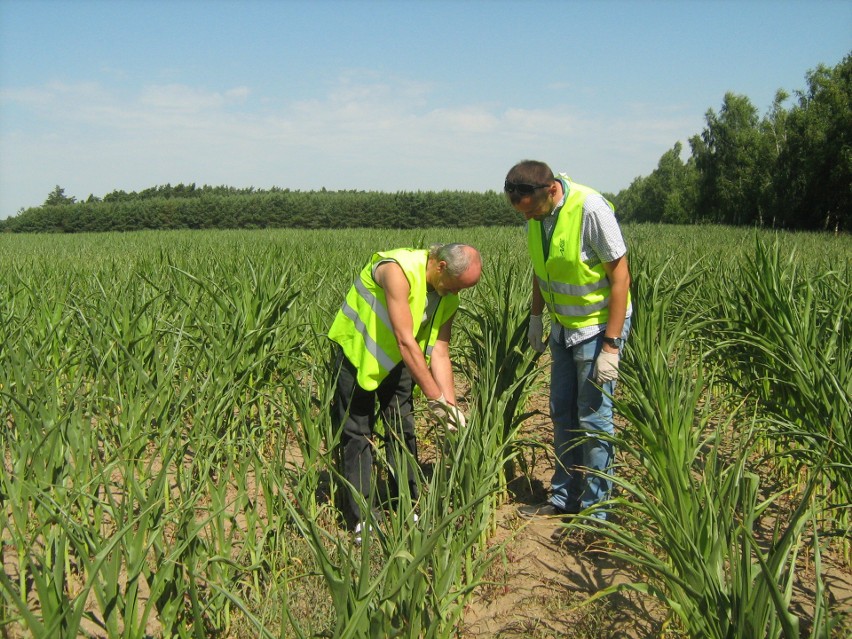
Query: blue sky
pixel 99 95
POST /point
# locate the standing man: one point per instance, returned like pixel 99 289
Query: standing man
pixel 393 332
pixel 580 272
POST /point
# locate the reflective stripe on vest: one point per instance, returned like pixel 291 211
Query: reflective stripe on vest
pixel 576 294
pixel 363 328
pixel 360 327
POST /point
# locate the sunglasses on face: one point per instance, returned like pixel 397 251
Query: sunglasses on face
pixel 522 189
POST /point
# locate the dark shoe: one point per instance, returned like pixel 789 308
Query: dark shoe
pixel 530 511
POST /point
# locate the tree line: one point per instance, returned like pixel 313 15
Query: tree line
pixel 224 208
pixel 790 169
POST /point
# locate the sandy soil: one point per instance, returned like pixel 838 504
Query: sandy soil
pixel 539 590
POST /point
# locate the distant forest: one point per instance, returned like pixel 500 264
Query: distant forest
pixel 790 169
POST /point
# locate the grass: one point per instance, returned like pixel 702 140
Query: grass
pixel 169 463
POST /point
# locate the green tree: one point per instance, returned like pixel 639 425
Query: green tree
pixel 815 165
pixel 57 197
pixel 672 187
pixel 629 202
pixel 667 195
pixel 773 128
pixel 727 155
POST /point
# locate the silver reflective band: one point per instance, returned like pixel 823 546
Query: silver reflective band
pixel 379 309
pixel 372 347
pixel 579 311
pixel 574 290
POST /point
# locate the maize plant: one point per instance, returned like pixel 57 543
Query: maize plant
pixel 168 462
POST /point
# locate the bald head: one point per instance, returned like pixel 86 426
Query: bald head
pixel 453 267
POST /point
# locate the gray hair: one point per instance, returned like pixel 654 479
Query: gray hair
pixel 457 256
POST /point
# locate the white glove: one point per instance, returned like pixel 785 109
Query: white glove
pixel 444 411
pixel 534 334
pixel 606 367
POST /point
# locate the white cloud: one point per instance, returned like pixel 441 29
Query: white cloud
pixel 178 98
pixel 472 120
pixel 237 94
pixel 368 132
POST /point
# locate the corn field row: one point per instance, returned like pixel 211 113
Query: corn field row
pixel 169 462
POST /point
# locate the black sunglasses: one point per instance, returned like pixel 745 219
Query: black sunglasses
pixel 522 189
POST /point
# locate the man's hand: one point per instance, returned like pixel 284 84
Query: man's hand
pixel 606 367
pixel 534 334
pixel 442 410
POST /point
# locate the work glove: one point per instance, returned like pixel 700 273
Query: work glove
pixel 606 367
pixel 444 411
pixel 534 334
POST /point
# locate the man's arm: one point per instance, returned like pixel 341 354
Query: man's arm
pixel 391 278
pixel 619 280
pixel 441 365
pixel 537 299
pixel 535 332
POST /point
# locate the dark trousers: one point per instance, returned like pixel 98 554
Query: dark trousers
pixel 356 411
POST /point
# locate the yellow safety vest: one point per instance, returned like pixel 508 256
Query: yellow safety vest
pixel 576 294
pixel 362 326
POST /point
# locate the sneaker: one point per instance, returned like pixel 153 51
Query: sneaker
pixel 529 511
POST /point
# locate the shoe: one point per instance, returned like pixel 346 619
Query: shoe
pixel 529 511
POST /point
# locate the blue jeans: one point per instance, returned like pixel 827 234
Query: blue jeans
pixel 580 409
